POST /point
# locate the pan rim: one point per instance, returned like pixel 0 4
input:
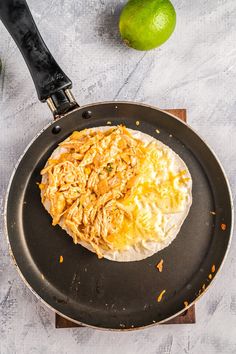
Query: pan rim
pixel 8 192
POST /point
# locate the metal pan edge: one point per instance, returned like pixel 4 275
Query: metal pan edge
pixel 7 234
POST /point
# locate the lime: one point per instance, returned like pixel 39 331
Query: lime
pixel 146 24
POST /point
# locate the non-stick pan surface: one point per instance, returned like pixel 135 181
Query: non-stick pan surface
pixel 109 294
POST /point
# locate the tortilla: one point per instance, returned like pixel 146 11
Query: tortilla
pixel 172 221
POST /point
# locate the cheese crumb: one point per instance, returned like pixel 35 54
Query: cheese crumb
pixel 137 122
pixel 223 227
pixel 61 259
pixel 159 266
pixel 157 131
pixel 159 298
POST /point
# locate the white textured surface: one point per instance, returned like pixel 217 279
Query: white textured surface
pixel 194 69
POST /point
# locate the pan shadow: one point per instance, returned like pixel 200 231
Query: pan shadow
pixel 108 26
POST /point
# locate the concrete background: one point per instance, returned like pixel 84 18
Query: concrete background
pixel 195 69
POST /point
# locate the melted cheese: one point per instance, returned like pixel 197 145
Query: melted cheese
pixel 159 192
pixel 117 195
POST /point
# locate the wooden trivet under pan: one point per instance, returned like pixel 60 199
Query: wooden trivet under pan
pixel 186 317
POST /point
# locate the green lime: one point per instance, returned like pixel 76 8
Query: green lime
pixel 146 24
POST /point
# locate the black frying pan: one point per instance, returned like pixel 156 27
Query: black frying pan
pixel 90 291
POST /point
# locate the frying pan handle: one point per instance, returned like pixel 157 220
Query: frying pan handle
pixel 50 81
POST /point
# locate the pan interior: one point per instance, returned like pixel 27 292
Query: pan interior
pixel 111 294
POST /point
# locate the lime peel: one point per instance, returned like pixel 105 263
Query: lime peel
pixel 147 24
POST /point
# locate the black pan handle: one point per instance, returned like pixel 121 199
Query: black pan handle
pixel 50 81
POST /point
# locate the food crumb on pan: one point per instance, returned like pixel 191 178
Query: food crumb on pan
pixel 213 268
pixel 61 259
pixel 159 298
pixel 137 122
pixel 159 266
pixel 185 303
pixel 170 135
pixel 212 212
pixel 108 122
pixel 40 185
pixel 203 287
pixel 210 276
pixel 223 227
pixel 42 276
pixel 122 325
pixel 154 321
pixel 157 131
